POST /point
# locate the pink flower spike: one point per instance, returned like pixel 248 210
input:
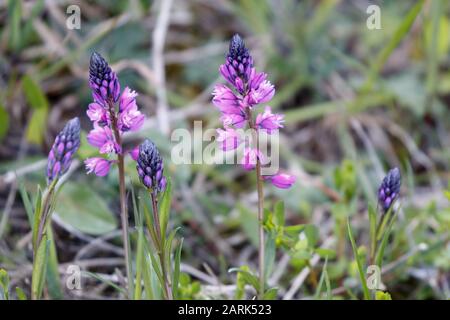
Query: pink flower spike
pixel 97 113
pixel 99 166
pixel 135 153
pixel 269 121
pixel 281 180
pixel 228 138
pixel 250 158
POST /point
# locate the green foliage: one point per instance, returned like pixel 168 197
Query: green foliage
pixel 188 289
pixel 81 207
pixel 4 285
pixel 4 121
pixel 37 100
pixel 359 263
pixel 345 179
pixel 380 295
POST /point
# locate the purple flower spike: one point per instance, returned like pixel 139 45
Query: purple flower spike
pixel 150 166
pixel 389 189
pixel 102 80
pixel 65 145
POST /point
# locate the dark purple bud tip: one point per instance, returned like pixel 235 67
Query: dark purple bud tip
pixel 150 166
pixel 389 188
pixel 65 146
pixel 237 49
pixel 238 57
pixel 102 80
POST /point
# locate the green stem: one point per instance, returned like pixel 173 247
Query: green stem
pixel 45 215
pixel 123 198
pixel 261 229
pixel 160 248
pixel 260 189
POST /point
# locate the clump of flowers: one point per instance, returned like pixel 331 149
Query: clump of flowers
pixel 389 189
pixel 112 115
pixel 238 102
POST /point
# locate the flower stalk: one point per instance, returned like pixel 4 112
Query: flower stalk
pixel 158 244
pixel 150 168
pixel 112 115
pixel 60 157
pixel 247 89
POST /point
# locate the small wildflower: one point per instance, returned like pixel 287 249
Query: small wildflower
pixel 250 158
pixel 229 138
pixel 65 145
pixel 130 118
pixel 103 138
pixel 281 180
pixel 99 166
pixel 97 113
pixel 150 166
pixel 269 121
pixel 389 189
pixel 135 153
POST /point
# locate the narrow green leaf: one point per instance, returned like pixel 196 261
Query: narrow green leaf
pixel 270 294
pixel 269 258
pixel 20 294
pixel 148 287
pixel 380 253
pixel 156 268
pixel 14 17
pixel 106 281
pixel 35 130
pixel 373 228
pixel 279 213
pixel 37 100
pixel 37 217
pixel 4 284
pixel 4 122
pixel 53 279
pixel 34 94
pixel 139 264
pixel 176 271
pixel 248 277
pixel 26 202
pixel 168 249
pixel 398 35
pixel 358 262
pixel 164 208
pixel 39 268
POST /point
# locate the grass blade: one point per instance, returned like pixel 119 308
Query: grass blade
pixel 358 262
